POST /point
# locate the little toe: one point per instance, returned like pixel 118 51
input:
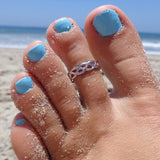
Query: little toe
pixel 25 141
pixel 68 41
pixel 31 100
pixel 45 65
pixel 115 43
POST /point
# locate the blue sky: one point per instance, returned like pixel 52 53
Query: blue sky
pixel 145 14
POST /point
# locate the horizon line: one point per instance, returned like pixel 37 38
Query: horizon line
pixel 45 27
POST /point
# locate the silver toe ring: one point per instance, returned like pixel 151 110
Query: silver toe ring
pixel 82 68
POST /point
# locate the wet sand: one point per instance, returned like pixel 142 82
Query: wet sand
pixel 10 65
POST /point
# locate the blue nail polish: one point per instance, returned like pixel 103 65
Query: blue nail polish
pixel 107 23
pixel 19 122
pixel 37 53
pixel 63 25
pixel 24 85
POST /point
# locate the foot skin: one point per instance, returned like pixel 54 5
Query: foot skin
pixel 123 125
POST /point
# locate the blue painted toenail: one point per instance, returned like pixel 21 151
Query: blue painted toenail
pixel 63 25
pixel 107 23
pixel 19 122
pixel 37 53
pixel 24 85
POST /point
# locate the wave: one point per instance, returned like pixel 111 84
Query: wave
pixel 21 37
pixel 20 40
pixel 151 47
pixel 22 43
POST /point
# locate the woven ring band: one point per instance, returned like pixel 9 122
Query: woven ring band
pixel 82 68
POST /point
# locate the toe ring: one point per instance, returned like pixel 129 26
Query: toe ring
pixel 82 68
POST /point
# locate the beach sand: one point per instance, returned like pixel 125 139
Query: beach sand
pixel 10 65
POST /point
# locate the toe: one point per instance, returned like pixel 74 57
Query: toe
pixel 31 100
pixel 25 141
pixel 115 43
pixel 68 41
pixel 41 61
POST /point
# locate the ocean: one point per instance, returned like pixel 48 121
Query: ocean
pixel 21 37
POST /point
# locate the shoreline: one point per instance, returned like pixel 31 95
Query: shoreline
pixel 10 66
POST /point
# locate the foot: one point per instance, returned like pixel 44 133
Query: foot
pixel 55 123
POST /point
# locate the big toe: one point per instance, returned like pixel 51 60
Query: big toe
pixel 115 43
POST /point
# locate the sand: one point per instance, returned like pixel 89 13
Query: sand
pixel 10 65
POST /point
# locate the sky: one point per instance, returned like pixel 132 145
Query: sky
pixel 145 14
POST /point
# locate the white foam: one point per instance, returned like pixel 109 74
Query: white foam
pixel 21 38
pixel 152 47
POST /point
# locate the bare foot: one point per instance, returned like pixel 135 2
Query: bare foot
pixel 55 123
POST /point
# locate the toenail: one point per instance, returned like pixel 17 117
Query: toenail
pixel 107 23
pixel 19 122
pixel 63 25
pixel 37 53
pixel 24 85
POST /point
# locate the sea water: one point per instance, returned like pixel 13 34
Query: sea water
pixel 151 42
pixel 21 37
